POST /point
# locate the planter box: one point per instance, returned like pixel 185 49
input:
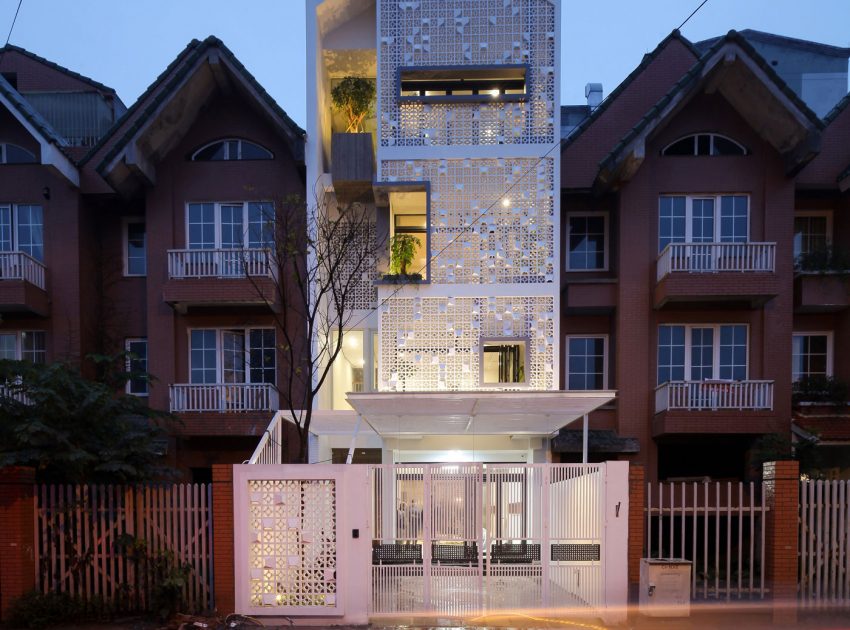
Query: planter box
pixel 352 166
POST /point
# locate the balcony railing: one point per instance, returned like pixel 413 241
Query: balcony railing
pixel 21 266
pixel 223 397
pixel 219 263
pixel 714 395
pixel 716 257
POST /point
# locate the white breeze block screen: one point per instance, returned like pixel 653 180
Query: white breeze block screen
pixel 292 538
pixel 430 344
pixel 513 242
pixel 480 32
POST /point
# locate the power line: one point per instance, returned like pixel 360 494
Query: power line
pixel 14 19
pixel 691 15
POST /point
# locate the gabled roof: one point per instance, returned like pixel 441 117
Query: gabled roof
pixel 840 106
pixel 57 67
pixel 628 152
pixel 648 58
pixel 781 40
pixel 175 78
pixel 844 179
pixel 53 146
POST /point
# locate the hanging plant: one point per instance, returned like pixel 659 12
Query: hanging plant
pixel 353 96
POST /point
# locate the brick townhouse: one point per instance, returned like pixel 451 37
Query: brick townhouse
pixel 134 229
pixel 696 201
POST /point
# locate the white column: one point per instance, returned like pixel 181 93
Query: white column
pixel 615 542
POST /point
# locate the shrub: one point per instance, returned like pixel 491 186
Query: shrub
pixel 824 389
pixel 353 96
pixel 40 610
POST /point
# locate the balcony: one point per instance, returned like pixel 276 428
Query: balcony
pixel 220 277
pixel 715 272
pixel 222 398
pixel 714 407
pixel 821 292
pixel 22 284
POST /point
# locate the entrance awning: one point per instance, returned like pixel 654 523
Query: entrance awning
pixel 532 413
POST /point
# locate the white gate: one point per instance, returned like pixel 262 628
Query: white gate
pixel 458 539
pixel 346 542
pixel 825 543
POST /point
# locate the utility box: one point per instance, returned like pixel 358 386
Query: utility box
pixel 665 587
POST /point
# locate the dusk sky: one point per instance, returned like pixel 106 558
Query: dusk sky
pixel 127 44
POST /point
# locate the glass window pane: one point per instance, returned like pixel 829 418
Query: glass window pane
pixel 31 231
pixel 809 356
pixel 586 243
pixel 203 356
pixel 18 155
pixel 671 221
pixel 137 361
pixel 734 219
pixel 233 356
pixel 723 146
pixel 733 352
pixel 5 229
pixel 33 346
pixel 136 249
pixel 685 146
pixel 232 228
pixel 251 151
pixel 211 153
pixel 201 226
pixel 703 144
pixel 261 222
pixel 503 362
pixel 586 363
pixel 8 346
pixel 263 356
pixel 671 353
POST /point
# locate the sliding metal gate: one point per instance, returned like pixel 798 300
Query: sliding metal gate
pixel 456 539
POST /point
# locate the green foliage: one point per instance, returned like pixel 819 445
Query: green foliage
pixel 72 429
pixel 40 610
pixel 402 251
pixel 825 259
pixel 354 96
pixel 166 576
pixel 778 447
pixel 822 389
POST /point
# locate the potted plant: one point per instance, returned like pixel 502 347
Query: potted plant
pixel 402 252
pixel 353 96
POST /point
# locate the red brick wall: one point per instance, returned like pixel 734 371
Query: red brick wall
pixel 17 553
pixel 782 496
pixel 637 521
pixel 223 557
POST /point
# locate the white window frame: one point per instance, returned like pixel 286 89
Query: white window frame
pixel 830 353
pixel 715 356
pixel 217 219
pixel 219 351
pixel 127 387
pixel 13 211
pixel 19 345
pixel 227 157
pixel 604 338
pixel 605 265
pixel 125 230
pixel 689 214
pixel 827 214
pixel 4 155
pixel 503 340
pixel 711 136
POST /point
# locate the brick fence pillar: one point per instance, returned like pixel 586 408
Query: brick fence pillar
pixel 782 497
pixel 223 562
pixel 17 538
pixel 637 529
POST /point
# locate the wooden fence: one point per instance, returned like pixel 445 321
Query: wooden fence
pixel 112 545
pixel 824 543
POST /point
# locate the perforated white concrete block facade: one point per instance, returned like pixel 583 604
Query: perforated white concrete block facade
pixel 494 180
pixel 470 32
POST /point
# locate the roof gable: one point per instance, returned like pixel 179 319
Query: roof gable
pixel 733 68
pixel 127 154
pixel 55 67
pixel 52 146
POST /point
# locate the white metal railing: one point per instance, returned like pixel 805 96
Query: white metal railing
pixel 223 397
pixel 21 266
pixel 716 257
pixel 720 527
pixel 14 394
pixel 270 448
pixel 220 263
pixel 714 395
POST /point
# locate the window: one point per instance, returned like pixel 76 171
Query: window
pixel 812 232
pixel 703 219
pixel 232 355
pixel 462 83
pixel 135 248
pixel 587 362
pixel 588 242
pixel 355 368
pixel 702 352
pixel 29 345
pixel 409 216
pixel 22 229
pixel 231 149
pixel 137 362
pixel 503 361
pixel 811 355
pixel 230 225
pixel 704 144
pixel 13 154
